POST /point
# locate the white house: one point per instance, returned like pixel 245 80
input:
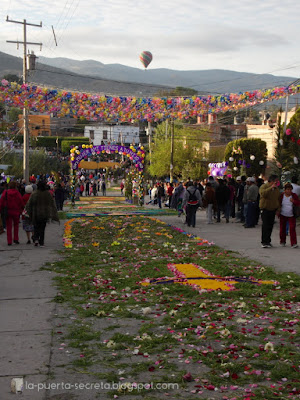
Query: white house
pixel 113 134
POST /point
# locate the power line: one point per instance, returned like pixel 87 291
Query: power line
pixel 104 79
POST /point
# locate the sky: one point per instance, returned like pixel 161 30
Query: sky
pixel 258 36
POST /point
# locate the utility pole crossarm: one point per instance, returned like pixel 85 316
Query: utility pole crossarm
pixel 19 42
pixel 23 22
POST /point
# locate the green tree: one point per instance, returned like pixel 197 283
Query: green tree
pixel 13 114
pixel 216 154
pixel 238 153
pixel 291 145
pixel 39 163
pixel 177 92
pixel 188 151
pixel 13 78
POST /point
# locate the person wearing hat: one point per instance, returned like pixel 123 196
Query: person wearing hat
pixel 269 204
pixel 27 224
pixel 251 201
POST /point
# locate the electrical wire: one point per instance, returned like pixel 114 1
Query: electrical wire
pixel 71 16
pixel 104 79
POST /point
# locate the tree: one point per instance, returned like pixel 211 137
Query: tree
pixel 13 114
pixel 246 156
pixel 291 145
pixel 39 163
pixel 13 78
pixel 177 92
pixel 188 151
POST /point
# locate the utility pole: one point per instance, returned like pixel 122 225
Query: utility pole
pixel 286 112
pixel 25 110
pixel 166 129
pixel 149 134
pixel 122 144
pixel 172 151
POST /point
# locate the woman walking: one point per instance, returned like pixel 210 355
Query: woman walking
pixel 210 202
pixel 11 200
pixel 27 224
pixel 41 208
pixel 288 199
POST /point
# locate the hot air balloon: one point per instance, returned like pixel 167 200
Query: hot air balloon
pixel 146 58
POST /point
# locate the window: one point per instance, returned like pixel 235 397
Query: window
pixel 104 135
pixel 92 134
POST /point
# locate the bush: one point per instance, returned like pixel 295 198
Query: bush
pixel 67 143
pixel 50 141
pixel 39 163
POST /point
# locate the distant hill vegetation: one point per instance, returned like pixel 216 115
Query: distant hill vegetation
pixel 117 79
pixel 213 80
pixel 69 80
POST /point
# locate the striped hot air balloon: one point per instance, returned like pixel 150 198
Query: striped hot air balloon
pixel 146 58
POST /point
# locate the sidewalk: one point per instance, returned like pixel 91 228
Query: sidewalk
pixel 26 310
pixel 247 242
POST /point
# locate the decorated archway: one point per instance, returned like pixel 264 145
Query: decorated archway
pixel 135 154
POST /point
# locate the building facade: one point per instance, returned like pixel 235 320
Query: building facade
pixel 38 125
pixel 110 134
pixel 268 131
pixel 47 125
pixel 221 133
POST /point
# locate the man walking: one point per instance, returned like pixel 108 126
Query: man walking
pixel 251 199
pixel 192 200
pixel 269 203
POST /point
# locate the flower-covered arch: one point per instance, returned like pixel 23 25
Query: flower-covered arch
pixel 135 154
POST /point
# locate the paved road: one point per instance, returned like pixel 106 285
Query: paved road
pixel 233 236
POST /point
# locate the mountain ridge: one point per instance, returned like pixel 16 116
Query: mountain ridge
pixel 59 78
pixel 205 81
pixel 118 79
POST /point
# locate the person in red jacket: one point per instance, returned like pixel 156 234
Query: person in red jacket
pixel 170 190
pixel 288 199
pixel 15 204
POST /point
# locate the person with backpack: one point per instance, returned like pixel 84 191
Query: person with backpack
pixel 192 200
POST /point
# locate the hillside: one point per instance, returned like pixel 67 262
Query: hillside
pixel 117 79
pixel 66 79
pixel 213 81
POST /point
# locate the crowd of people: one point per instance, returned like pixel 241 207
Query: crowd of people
pixel 34 204
pixel 244 199
pixel 92 184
